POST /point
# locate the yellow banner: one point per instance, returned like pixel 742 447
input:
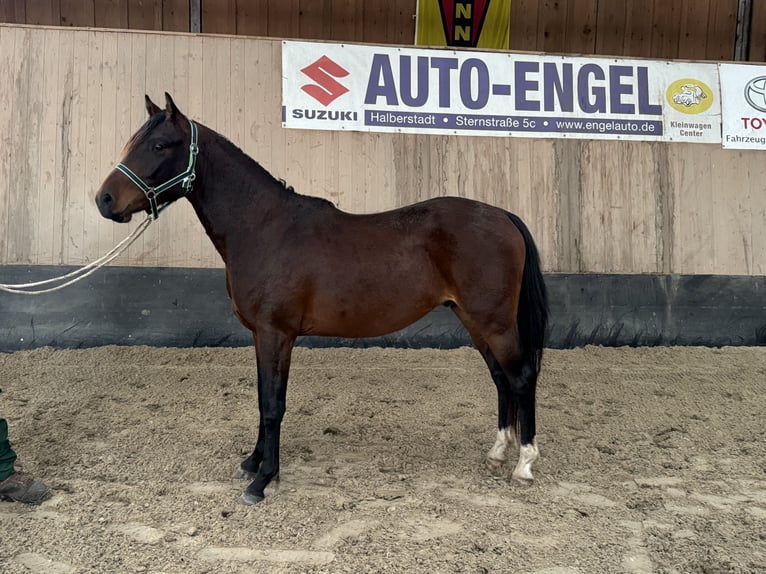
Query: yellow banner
pixel 464 23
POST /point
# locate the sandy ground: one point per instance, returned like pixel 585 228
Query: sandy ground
pixel 653 460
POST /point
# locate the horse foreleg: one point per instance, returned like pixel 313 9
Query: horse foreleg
pixel 273 351
pixel 252 463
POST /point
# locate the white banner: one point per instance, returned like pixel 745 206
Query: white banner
pixel 743 94
pixel 415 90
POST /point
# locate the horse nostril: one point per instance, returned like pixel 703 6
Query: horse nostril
pixel 106 199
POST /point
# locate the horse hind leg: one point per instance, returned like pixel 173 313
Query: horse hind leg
pixel 506 436
pixel 522 380
pixel 516 382
pixel 506 411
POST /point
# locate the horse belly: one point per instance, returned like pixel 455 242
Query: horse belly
pixel 370 311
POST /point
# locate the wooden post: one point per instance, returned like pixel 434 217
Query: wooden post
pixel 195 16
pixel 742 41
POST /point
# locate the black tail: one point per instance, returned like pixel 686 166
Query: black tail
pixel 532 315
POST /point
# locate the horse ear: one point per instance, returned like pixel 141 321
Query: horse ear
pixel 170 107
pixel 151 107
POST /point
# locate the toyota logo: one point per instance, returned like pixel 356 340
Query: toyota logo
pixel 755 93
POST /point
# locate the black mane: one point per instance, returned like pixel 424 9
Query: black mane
pixel 236 151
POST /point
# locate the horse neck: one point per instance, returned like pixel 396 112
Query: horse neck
pixel 232 193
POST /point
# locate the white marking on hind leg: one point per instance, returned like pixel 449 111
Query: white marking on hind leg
pixel 528 454
pixel 497 454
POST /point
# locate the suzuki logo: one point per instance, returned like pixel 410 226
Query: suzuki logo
pixel 323 72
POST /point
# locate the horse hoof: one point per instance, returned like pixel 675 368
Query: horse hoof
pixel 494 466
pixel 250 499
pixel 242 474
pixel 524 480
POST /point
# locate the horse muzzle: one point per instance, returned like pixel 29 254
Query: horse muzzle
pixel 105 203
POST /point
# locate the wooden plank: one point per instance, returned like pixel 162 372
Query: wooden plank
pixel 237 91
pixel 219 17
pixel 401 22
pixel 756 173
pixel 193 108
pixel 123 125
pixel 74 232
pixel 137 91
pixel 347 22
pixel 592 216
pixel 42 12
pixel 642 228
pixel 721 30
pixel 284 18
pixel 566 183
pixel 77 13
pixel 638 29
pixel 49 137
pixel 211 90
pixel 65 131
pixel 157 75
pixel 524 25
pixel 544 202
pixel 612 209
pixel 315 19
pixel 376 22
pixel 13 11
pixel 376 184
pixel 92 171
pixel 253 18
pixel 25 161
pixel 7 69
pixel 15 249
pixel 610 28
pixel 34 199
pixel 665 39
pixel 145 14
pixel 178 221
pixel 260 107
pixel 175 15
pixel 757 52
pixel 742 40
pixel 111 13
pixel 195 16
pixel 581 26
pixel 167 243
pixel 551 29
pixel 693 38
pixel 731 223
pixel 108 149
pixel 694 194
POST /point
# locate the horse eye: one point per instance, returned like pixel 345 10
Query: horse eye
pixel 159 147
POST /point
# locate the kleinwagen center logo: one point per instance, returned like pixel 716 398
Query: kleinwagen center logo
pixel 326 88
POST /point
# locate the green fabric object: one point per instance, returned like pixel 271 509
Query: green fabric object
pixel 7 456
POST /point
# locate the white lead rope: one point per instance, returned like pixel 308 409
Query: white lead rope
pixel 82 272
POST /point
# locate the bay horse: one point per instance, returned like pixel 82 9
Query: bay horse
pixel 297 265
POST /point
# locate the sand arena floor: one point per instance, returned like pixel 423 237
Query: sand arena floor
pixel 652 460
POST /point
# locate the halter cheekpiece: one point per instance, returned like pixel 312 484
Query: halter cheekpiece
pixel 185 178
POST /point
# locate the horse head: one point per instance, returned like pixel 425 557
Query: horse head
pixel 156 168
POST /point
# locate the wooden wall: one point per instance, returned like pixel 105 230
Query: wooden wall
pixel 687 29
pixel 73 97
pixel 171 15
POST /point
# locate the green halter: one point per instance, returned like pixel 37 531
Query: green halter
pixel 186 178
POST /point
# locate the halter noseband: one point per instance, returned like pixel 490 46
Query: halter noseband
pixel 186 178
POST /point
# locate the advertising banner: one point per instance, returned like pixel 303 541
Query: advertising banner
pixel 464 23
pixel 415 90
pixel 743 105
